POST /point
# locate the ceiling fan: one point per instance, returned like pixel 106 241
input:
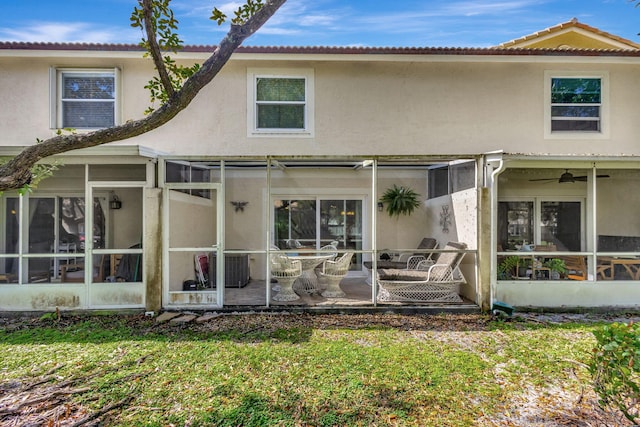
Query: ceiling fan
pixel 568 177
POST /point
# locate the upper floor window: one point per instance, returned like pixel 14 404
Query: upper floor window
pixel 85 99
pixel 280 102
pixel 577 105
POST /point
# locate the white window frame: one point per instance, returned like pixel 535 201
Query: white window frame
pixel 604 107
pixel 57 90
pixel 253 74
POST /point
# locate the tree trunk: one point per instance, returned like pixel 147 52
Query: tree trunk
pixel 17 172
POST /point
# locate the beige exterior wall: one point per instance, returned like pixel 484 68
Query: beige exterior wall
pixel 462 227
pixel 399 108
pixel 369 106
pixel 617 205
pixel 569 294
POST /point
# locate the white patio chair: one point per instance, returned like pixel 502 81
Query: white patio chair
pixel 286 271
pixel 293 244
pixel 330 248
pixel 333 272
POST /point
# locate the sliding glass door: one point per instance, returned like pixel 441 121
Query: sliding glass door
pixel 313 223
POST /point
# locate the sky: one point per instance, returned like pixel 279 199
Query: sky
pixel 377 23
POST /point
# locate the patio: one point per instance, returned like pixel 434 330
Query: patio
pixel 357 295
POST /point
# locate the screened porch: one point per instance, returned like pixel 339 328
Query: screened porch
pixel 236 221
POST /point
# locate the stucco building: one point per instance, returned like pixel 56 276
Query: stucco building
pixel 528 150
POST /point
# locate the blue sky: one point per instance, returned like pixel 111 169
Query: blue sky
pixel 451 23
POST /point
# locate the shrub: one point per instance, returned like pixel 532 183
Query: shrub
pixel 615 368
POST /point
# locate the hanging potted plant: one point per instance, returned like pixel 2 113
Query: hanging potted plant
pixel 400 200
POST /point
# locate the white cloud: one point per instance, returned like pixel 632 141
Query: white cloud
pixel 438 22
pixel 474 8
pixel 68 32
pixel 296 13
pixel 202 8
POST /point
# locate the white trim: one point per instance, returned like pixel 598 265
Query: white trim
pixel 604 107
pixel 289 73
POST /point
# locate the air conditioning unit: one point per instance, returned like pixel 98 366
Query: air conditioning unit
pixel 236 270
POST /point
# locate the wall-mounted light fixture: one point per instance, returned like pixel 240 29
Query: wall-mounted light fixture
pixel 380 206
pixel 115 202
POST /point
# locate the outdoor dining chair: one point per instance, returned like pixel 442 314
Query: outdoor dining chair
pixel 333 272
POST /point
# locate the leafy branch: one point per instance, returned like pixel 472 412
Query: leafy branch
pixel 242 14
pixel 154 14
pixel 160 25
pixel 157 20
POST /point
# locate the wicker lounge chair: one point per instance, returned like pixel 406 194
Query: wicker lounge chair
pixel 438 282
pixel 409 259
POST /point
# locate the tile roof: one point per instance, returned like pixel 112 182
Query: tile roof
pixel 514 47
pixel 329 50
pixel 573 23
pixel 69 46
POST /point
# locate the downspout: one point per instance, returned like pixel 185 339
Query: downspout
pixel 374 227
pixel 491 160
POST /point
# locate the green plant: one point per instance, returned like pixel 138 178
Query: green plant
pixel 615 368
pixel 556 264
pixel 400 200
pixel 509 266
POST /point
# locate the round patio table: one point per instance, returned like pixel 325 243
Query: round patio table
pixel 308 281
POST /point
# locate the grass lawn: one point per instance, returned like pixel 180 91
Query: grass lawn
pixel 294 370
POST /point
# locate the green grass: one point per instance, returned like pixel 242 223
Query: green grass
pixel 293 373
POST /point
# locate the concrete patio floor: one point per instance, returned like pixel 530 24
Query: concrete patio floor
pixel 357 295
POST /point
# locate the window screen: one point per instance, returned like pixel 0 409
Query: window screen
pixel 280 103
pixel 87 99
pixel 576 104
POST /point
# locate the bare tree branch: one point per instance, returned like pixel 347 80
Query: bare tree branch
pixel 16 173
